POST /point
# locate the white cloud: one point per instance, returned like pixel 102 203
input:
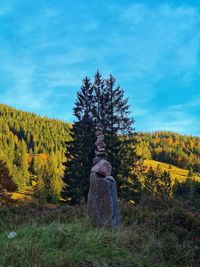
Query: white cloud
pixel 176 118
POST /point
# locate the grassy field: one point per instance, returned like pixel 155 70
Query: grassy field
pixel 176 172
pixel 154 234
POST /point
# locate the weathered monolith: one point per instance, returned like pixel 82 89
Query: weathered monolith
pixel 102 198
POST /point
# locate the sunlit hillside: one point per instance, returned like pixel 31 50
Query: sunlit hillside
pixel 176 172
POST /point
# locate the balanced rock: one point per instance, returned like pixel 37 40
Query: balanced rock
pixel 100 144
pixel 99 126
pixel 98 132
pixel 102 198
pixel 101 154
pixel 102 201
pixel 101 149
pixel 96 160
pixel 103 167
pixel 100 137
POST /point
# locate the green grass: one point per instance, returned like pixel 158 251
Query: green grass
pixel 156 234
pixel 176 172
pixel 57 244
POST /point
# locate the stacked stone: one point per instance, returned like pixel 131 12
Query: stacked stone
pixel 100 152
pixel 102 198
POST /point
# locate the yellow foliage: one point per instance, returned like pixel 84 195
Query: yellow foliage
pixel 176 172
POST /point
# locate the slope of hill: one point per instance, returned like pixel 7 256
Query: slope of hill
pixel 172 148
pixel 32 145
pixel 27 141
pixel 176 172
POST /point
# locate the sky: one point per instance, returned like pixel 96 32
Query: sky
pixel 151 47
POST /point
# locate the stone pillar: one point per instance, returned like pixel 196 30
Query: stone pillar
pixel 102 198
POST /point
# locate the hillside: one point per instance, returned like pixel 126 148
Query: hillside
pixel 41 134
pixel 175 172
pixel 30 143
pixel 33 148
pixel 180 150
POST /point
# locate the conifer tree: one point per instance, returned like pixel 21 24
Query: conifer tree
pixel 20 172
pixel 80 150
pixel 164 187
pixel 151 182
pixel 131 188
pixel 190 174
pixel 24 163
pixel 6 185
pixel 101 102
pixel 40 190
pixel 54 181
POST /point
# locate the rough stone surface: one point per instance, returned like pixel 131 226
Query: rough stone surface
pixel 103 168
pixel 101 154
pixel 102 198
pixel 102 201
pixel 110 178
pixel 96 160
pixel 98 132
pixel 100 144
pixel 101 149
pixel 99 127
pixel 100 137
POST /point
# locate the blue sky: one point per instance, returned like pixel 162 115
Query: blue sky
pixel 151 47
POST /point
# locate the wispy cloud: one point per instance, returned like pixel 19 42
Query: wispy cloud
pixel 182 118
pixel 46 48
pixel 164 40
pixel 176 121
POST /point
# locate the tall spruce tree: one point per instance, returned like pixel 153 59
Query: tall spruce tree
pixel 80 150
pixel 151 182
pixel 102 102
pixel 113 111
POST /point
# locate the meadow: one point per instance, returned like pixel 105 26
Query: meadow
pixel 154 233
